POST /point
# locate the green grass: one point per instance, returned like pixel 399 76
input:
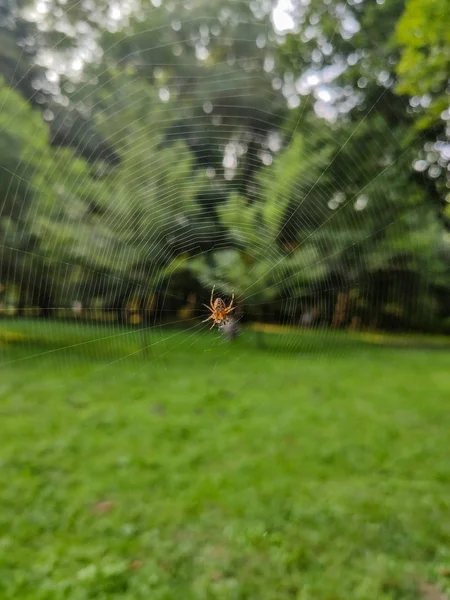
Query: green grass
pixel 204 470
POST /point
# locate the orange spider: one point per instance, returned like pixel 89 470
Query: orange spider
pixel 219 312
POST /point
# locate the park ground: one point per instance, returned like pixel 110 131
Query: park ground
pixel 169 465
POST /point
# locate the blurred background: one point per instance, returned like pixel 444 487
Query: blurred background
pixel 294 154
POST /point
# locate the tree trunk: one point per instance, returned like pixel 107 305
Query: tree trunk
pixel 22 304
pixel 44 300
pixel 340 310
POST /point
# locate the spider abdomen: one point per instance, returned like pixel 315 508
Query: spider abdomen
pixel 219 305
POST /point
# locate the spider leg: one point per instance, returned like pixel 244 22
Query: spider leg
pixel 212 296
pixel 206 306
pixel 231 303
pixel 210 317
pixel 212 325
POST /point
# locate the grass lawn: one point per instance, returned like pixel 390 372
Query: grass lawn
pixel 319 470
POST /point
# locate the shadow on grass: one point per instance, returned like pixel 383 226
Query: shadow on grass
pixel 26 339
pixel 328 342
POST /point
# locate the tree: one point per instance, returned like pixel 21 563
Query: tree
pixel 261 267
pixel 348 56
pixel 35 53
pixel 423 74
pixel 344 56
pixel 330 220
pixel 23 154
pixel 423 36
pixel 214 61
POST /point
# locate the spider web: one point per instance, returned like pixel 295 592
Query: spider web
pixel 90 328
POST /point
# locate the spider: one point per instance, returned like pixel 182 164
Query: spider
pixel 219 312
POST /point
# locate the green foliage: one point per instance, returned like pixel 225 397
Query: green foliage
pixel 154 212
pixel 356 41
pixel 79 220
pixel 262 263
pixel 332 211
pixel 214 69
pixel 146 193
pixel 23 144
pixel 424 38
